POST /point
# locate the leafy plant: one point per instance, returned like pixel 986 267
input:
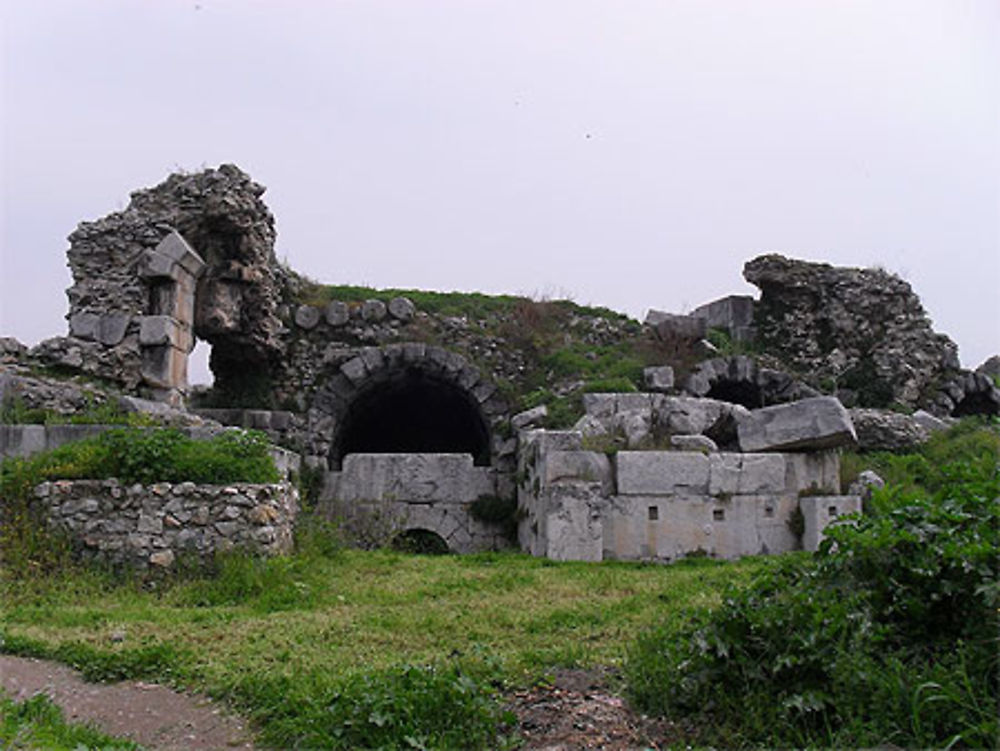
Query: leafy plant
pixel 888 634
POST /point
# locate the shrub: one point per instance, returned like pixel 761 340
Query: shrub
pixel 888 634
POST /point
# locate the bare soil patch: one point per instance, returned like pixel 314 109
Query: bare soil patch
pixel 154 716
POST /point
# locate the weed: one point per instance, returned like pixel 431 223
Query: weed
pixel 39 723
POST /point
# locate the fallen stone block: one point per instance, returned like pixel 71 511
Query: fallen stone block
pixel 809 424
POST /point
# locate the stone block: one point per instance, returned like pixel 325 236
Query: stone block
pixel 176 248
pixel 817 423
pixel 577 466
pixel 529 417
pixel 661 473
pixel 373 311
pixel 554 440
pixel 112 327
pixel 410 478
pixel 688 415
pixel 746 474
pixel 813 472
pixel 402 308
pixel 164 367
pixel 155 265
pixel 573 524
pixel 157 330
pixel 659 378
pixel 60 435
pixel 634 403
pixel 669 327
pixel 701 443
pixel 307 317
pixel 337 313
pixel 599 405
pixel 22 440
pixel 355 370
pixel 84 325
pixel 820 511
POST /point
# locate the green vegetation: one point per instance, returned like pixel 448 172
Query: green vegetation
pixel 38 723
pixel 15 412
pixel 475 305
pixel 400 645
pixel 888 635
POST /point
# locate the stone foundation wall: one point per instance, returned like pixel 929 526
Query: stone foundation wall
pixel 665 505
pixel 378 496
pixel 151 526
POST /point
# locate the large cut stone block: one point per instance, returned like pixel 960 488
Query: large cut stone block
pixel 820 511
pixel 156 330
pixel 662 472
pixel 670 326
pixel 817 423
pixel 112 328
pixel 577 466
pixel 814 472
pixel 746 474
pixel 21 440
pixel 412 478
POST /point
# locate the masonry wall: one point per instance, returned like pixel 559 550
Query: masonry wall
pixel 664 505
pixel 151 526
pixel 378 496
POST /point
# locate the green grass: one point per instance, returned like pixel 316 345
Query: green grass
pixel 281 638
pixel 37 723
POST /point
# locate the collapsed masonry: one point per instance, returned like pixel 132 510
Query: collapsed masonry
pixel 399 410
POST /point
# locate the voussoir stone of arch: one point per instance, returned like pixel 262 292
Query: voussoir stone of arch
pixel 373 358
pixel 355 370
pixel 307 316
pixel 414 351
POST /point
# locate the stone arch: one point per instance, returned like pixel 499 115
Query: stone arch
pixel 407 398
pixel 421 540
pixel 739 380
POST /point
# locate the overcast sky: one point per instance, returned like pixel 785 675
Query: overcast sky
pixel 625 153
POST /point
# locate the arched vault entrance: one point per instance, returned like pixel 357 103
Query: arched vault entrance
pixel 413 411
pixel 409 398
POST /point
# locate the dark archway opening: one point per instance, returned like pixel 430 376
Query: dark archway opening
pixel 420 541
pixel 746 393
pixel 413 412
pixel 976 403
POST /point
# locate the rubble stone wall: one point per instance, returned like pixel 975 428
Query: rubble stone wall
pixel 145 526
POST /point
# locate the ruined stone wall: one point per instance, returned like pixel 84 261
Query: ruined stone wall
pixel 193 256
pixel 153 525
pixel 862 332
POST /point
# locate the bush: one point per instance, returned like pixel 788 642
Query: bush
pixel 887 635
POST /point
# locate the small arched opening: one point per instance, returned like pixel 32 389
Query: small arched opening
pixel 746 393
pixel 421 541
pixel 976 403
pixel 412 411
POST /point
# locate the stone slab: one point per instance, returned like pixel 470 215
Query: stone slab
pixel 661 472
pixel 808 424
pixel 746 474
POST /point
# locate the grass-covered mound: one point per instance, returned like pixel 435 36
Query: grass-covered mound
pixel 888 635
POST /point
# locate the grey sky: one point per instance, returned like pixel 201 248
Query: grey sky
pixel 624 153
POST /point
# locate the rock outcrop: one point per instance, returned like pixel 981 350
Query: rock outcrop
pixel 862 332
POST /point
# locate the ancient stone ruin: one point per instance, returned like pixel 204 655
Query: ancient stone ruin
pixel 404 418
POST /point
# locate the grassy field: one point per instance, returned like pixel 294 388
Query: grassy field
pixel 311 624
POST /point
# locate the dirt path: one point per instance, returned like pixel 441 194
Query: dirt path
pixel 154 716
pixel 575 711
